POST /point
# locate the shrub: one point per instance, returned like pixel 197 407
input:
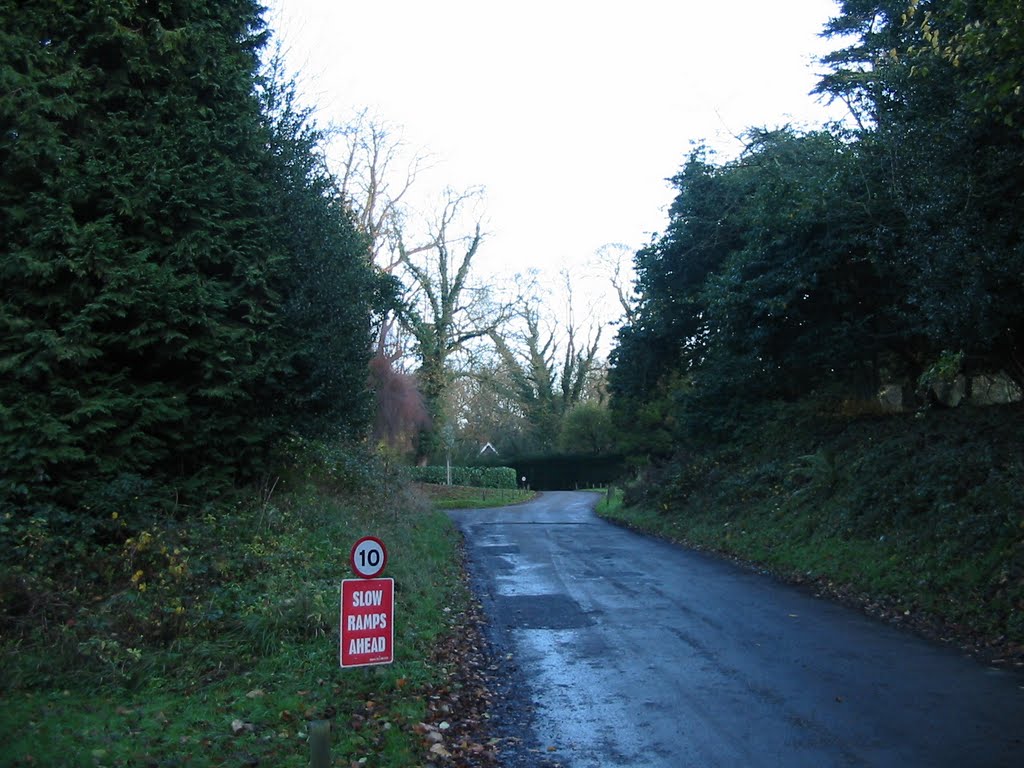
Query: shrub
pixel 478 477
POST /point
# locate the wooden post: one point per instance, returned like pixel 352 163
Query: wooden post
pixel 320 744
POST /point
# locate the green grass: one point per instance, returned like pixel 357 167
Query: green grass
pixel 465 497
pixel 226 645
pixel 918 514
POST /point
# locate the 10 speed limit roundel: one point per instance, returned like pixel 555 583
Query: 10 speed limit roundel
pixel 369 557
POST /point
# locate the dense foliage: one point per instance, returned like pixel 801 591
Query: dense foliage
pixel 797 282
pixel 215 641
pixel 478 477
pixel 182 285
pixel 839 259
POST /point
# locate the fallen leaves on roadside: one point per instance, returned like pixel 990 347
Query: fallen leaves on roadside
pixel 455 731
pixel 997 650
pixel 439 751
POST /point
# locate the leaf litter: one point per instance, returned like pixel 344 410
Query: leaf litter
pixel 456 730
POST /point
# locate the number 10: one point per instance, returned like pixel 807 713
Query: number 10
pixel 369 557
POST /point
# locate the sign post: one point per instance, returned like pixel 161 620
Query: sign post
pixel 367 608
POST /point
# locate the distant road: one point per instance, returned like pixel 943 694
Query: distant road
pixel 629 651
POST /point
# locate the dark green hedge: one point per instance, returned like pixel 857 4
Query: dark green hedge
pixel 479 477
pixel 569 472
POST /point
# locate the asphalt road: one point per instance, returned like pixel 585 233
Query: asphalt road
pixel 622 650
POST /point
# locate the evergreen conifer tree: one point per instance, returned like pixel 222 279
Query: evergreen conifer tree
pixel 181 286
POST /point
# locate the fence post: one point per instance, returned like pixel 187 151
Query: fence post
pixel 320 744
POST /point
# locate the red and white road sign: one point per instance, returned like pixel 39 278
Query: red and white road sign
pixel 368 557
pixel 367 622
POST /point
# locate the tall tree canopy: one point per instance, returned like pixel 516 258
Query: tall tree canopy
pixel 830 259
pixel 939 93
pixel 181 283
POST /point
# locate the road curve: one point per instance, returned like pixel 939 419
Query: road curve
pixel 630 651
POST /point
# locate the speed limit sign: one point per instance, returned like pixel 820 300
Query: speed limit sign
pixel 368 557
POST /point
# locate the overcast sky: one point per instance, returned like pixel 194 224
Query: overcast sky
pixel 570 113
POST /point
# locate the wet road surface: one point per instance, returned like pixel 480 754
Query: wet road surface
pixel 629 651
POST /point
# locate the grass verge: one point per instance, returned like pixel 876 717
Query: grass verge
pixel 214 641
pixel 465 497
pixel 916 518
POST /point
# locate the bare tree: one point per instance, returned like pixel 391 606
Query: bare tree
pixel 614 261
pixel 445 308
pixel 545 370
pixel 483 410
pixel 578 362
pixel 377 168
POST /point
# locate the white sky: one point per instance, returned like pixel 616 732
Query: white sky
pixel 570 113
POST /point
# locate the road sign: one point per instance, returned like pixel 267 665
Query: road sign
pixel 367 622
pixel 368 557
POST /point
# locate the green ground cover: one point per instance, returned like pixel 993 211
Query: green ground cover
pixel 918 517
pixel 465 497
pixel 214 640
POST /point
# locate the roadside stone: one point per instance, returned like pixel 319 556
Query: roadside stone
pixel 994 389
